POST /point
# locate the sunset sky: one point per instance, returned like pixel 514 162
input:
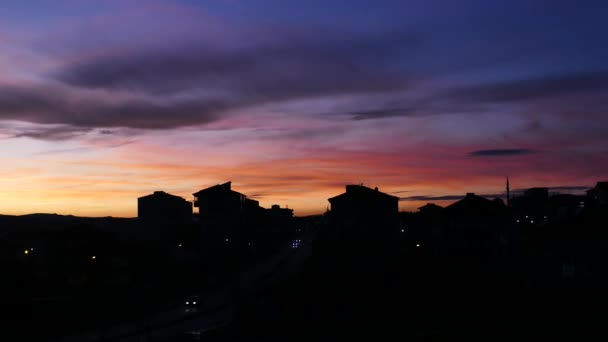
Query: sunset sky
pixel 102 102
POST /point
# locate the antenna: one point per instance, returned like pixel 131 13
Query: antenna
pixel 508 193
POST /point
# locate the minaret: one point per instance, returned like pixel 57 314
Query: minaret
pixel 508 193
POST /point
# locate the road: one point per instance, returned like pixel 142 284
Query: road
pixel 217 310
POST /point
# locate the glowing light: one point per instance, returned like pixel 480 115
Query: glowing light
pixel 417 245
pixel 26 252
pixel 94 257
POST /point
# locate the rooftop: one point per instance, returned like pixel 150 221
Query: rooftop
pixel 361 190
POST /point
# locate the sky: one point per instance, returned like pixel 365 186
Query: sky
pixel 102 102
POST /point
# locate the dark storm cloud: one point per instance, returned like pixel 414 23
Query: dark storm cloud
pixel 291 66
pixel 548 86
pixel 501 152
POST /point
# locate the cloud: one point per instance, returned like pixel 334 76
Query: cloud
pixel 189 84
pixel 501 152
pixel 305 134
pixel 548 86
pixel 291 65
pixel 381 113
pixel 55 133
pixel 56 105
pixel 444 198
pixel 561 188
pixel 569 188
pixel 576 93
pixel 288 67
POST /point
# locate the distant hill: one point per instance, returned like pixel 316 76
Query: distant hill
pixel 39 221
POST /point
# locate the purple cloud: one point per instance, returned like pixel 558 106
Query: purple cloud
pixel 505 152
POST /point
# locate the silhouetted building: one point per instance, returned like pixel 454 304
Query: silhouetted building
pixel 229 219
pixel 279 220
pixel 363 228
pixel 220 210
pixel 430 209
pixel 532 207
pixel 562 206
pixel 477 234
pixel 598 195
pixel 161 207
pixel 365 212
pixel 430 218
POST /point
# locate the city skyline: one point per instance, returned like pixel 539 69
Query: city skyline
pixel 101 103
